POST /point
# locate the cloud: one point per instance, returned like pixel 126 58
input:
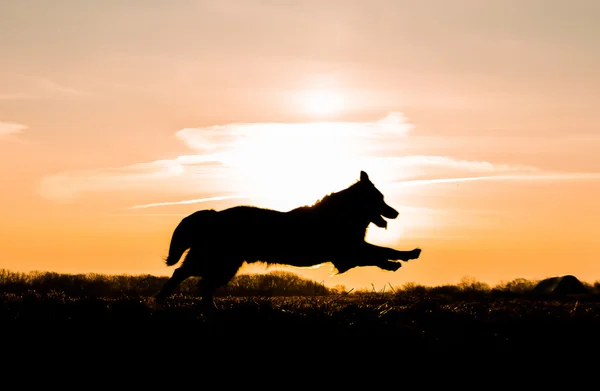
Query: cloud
pixel 240 157
pixel 530 174
pixel 186 202
pixel 285 164
pixel 24 87
pixel 158 177
pixel 55 88
pixel 222 137
pixel 446 162
pixel 10 129
pixel 549 176
pixel 401 168
pixel 15 96
pixel 210 139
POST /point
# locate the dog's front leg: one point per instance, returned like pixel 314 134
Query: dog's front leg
pixel 378 252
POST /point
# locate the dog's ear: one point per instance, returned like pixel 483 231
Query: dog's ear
pixel 363 176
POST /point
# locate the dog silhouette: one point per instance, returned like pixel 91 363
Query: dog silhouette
pixel 332 230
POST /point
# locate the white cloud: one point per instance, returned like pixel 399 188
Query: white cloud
pixel 529 174
pixel 242 157
pixel 547 176
pixel 9 129
pixel 447 162
pixel 402 168
pixel 55 88
pixel 15 96
pixel 210 139
pixel 186 202
pixel 158 177
pixel 285 165
pixel 223 137
pixel 17 86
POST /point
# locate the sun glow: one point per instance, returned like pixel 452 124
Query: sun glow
pixel 285 166
pixel 323 102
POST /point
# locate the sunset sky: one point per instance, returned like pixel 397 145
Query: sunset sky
pixel 478 120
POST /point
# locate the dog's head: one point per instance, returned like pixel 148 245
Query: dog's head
pixel 372 202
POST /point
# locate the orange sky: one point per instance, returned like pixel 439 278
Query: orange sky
pixel 114 114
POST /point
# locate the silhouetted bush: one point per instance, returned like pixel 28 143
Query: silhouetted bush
pixel 448 317
pixel 113 286
pixel 471 285
pixel 277 283
pixel 518 285
pixel 413 288
pixel 450 290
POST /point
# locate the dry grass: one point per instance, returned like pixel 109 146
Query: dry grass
pixel 466 314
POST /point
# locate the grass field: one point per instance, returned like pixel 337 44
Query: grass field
pixel 469 314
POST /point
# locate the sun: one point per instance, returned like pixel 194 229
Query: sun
pixel 323 102
pixel 287 165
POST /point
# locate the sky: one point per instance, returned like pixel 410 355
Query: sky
pixel 479 122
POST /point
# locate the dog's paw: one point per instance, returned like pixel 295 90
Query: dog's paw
pixel 413 254
pixel 416 253
pixel 391 266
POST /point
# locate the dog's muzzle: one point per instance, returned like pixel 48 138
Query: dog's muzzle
pixel 387 212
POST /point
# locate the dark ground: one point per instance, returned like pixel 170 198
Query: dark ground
pixel 482 321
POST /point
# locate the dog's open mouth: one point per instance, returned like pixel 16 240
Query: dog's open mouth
pixel 388 212
pixel 380 222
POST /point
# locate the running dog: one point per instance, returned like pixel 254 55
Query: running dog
pixel 332 230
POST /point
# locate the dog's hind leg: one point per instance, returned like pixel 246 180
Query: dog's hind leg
pixel 179 275
pixel 215 278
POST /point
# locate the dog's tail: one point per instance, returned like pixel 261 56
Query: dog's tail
pixel 184 234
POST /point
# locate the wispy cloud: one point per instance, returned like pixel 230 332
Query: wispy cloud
pixel 187 202
pixel 286 164
pixel 159 177
pixel 417 182
pixel 549 176
pixel 224 137
pixel 15 96
pixel 25 87
pixel 402 168
pixel 8 130
pixel 447 162
pixel 58 88
pixel 242 157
